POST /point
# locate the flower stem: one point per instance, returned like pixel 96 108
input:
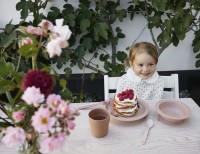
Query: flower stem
pixel 18 63
pixel 9 97
pixel 17 96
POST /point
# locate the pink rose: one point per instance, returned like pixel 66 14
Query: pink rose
pixel 18 115
pixel 14 136
pixel 49 144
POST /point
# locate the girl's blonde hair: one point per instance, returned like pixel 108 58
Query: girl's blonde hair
pixel 143 47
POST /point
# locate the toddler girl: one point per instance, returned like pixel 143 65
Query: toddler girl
pixel 142 76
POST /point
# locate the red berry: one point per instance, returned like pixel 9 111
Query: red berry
pixel 130 96
pixel 131 90
pixel 118 95
pixel 121 98
pixel 126 96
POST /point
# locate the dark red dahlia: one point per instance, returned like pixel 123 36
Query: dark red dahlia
pixel 39 79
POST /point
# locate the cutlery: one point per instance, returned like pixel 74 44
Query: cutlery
pixel 148 125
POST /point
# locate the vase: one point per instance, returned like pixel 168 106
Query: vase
pixel 30 146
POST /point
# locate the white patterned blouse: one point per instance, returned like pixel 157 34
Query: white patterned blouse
pixel 149 89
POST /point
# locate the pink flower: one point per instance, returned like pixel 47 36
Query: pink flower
pixel 39 79
pixel 53 101
pixel 42 121
pixel 18 115
pixel 63 108
pixel 34 30
pixel 25 41
pixel 14 136
pixel 45 24
pixel 71 125
pixel 33 96
pixel 49 144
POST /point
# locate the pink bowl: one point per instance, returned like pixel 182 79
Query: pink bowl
pixel 172 110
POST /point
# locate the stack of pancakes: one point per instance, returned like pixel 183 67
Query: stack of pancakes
pixel 125 103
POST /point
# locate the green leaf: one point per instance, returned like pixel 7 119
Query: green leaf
pixel 59 64
pixel 6 85
pixel 175 40
pixel 187 20
pixel 107 66
pixel 7 40
pixel 68 8
pixel 154 21
pixel 96 32
pixel 68 72
pixel 66 95
pixel 121 14
pixel 112 18
pixel 120 35
pixel 196 42
pixel 121 56
pixel 179 29
pixel 28 50
pixel 104 57
pixel 85 23
pixel 6 70
pixel 72 19
pixel 103 27
pixel 92 76
pixel 9 28
pixel 80 64
pixel 80 51
pixel 164 39
pixel 24 7
pixel 87 42
pixel 179 4
pixel 197 56
pixel 160 5
pixel 197 64
pixel 53 13
pixel 63 83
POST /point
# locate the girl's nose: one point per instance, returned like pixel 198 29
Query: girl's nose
pixel 145 68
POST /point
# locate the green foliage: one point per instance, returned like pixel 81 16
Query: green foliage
pixel 173 19
pixel 91 25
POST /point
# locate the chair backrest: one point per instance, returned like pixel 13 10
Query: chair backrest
pixel 171 86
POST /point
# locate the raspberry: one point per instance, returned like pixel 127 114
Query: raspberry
pixel 121 98
pixel 131 90
pixel 118 95
pixel 126 96
pixel 130 96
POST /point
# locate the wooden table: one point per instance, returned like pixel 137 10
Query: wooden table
pixel 123 137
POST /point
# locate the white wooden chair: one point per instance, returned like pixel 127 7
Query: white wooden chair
pixel 171 86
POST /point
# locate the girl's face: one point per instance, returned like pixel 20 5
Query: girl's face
pixel 143 65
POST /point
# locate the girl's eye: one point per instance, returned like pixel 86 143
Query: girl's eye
pixel 140 65
pixel 151 64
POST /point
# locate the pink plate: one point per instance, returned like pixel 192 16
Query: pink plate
pixel 142 112
pixel 172 110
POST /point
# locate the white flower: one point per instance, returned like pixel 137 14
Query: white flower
pixel 33 96
pixel 59 39
pixel 63 31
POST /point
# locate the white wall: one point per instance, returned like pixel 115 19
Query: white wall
pixel 173 58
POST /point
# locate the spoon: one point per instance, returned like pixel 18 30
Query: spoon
pixel 148 126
